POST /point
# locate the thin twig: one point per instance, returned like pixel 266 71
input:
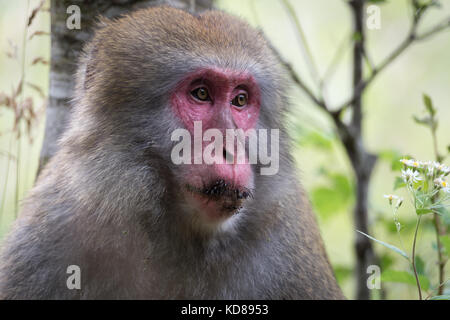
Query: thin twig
pixel 298 80
pixel 410 39
pixel 413 256
pixel 436 220
pixel 437 28
pixel 302 39
pixel 441 285
pixel 329 71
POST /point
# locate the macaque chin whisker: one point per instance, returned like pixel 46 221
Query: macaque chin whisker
pixel 218 189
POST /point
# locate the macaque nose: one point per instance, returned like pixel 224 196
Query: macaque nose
pixel 235 170
pixel 228 156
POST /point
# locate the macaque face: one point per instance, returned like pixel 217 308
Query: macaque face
pixel 218 99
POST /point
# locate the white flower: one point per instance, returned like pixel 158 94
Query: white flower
pixel 416 164
pixel 390 197
pixel 410 176
pixel 446 189
pixel 413 163
pixel 406 162
pixel 430 170
pixel 441 167
pixel 441 183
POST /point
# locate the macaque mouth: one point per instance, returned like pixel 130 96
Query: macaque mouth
pixel 228 195
pixel 221 189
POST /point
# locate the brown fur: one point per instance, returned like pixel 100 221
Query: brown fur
pixel 109 201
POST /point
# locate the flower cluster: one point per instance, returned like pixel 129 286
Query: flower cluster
pixel 426 183
pixel 420 171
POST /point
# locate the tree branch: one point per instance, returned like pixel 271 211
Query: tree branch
pixel 302 39
pixel 410 39
pixel 298 80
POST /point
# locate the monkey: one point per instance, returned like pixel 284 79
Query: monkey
pixel 113 203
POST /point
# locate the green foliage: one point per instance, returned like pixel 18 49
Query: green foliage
pixel 423 211
pixel 399 183
pixel 386 261
pixel 387 245
pixel 388 225
pixel 342 273
pixel 429 120
pixel 404 277
pixel 420 265
pixel 335 196
pixel 318 140
pixel 444 213
pixel 426 183
pixel 429 105
pixel 392 157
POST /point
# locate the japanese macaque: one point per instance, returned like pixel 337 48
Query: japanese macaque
pixel 113 205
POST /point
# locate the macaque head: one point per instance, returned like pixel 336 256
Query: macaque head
pixel 211 79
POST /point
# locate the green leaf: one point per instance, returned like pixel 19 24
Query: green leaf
pixel 420 266
pixel 343 185
pixel 424 282
pixel 423 211
pixel 429 105
pixel 397 276
pixel 386 260
pixel 318 140
pixel 388 224
pixel 445 240
pixel 393 157
pixel 387 245
pixel 399 183
pixel 404 277
pixel 443 297
pixel 342 273
pixel 427 121
pixel 326 201
pixel 333 197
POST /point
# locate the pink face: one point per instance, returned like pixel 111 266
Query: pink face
pixel 220 99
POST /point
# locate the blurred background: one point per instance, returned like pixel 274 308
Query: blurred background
pixel 389 105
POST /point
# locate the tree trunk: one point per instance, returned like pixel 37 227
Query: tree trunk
pixel 66 45
pixel 362 161
pixel 363 247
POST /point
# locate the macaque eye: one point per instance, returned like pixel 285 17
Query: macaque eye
pixel 201 94
pixel 240 100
